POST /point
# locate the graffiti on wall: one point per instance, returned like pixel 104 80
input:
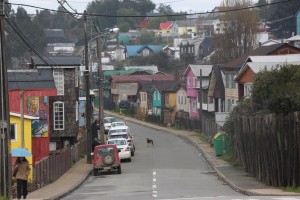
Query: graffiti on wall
pixel 38 107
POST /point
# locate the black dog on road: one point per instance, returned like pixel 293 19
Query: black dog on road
pixel 149 141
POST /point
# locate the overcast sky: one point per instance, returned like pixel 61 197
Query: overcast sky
pixel 190 6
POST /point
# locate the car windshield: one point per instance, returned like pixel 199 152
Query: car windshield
pixel 102 151
pixel 108 120
pixel 117 131
pixel 117 142
pixel 119 136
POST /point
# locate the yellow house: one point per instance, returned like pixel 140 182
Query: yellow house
pixel 16 137
pixel 186 27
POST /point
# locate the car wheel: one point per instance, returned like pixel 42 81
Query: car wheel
pixel 119 170
pixel 108 159
pixel 95 172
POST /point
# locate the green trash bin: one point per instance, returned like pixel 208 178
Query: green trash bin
pixel 218 144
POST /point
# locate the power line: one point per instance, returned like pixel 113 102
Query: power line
pixel 168 15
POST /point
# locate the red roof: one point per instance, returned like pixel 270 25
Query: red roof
pixel 143 23
pixel 137 78
pixel 165 25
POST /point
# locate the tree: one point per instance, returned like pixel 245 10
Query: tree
pixel 146 37
pixel 277 90
pixel 264 11
pixel 283 28
pixel 238 31
pixel 130 22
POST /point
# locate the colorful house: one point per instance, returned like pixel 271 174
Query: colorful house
pixel 255 64
pixel 164 100
pixel 142 50
pixel 168 29
pixel 37 86
pixel 186 27
pixel 16 136
pixel 182 103
pixel 144 97
pixel 192 77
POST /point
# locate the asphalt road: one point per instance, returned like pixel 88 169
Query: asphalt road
pixel 171 169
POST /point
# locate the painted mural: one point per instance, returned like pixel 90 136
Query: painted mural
pixel 38 107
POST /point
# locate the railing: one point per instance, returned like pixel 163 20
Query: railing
pixel 51 168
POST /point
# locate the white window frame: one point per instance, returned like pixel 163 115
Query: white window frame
pixel 77 110
pixel 56 110
pixel 59 80
pixel 146 52
pixel 195 82
pixel 194 106
pixel 16 132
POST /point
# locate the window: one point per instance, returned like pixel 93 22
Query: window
pixel 228 105
pixel 178 99
pixel 194 106
pixel 195 82
pixel 145 96
pixel 188 82
pixel 59 81
pixel 13 132
pixel 146 52
pixel 227 80
pixel 184 100
pixel 58 109
pixel 232 81
pixel 77 111
pixel 181 99
pixel 158 96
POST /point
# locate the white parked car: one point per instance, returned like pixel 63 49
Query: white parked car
pixel 107 123
pixel 123 148
pixel 122 132
pixel 118 123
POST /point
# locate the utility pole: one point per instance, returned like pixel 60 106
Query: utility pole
pixel 200 100
pixel 22 117
pixel 87 94
pixel 5 155
pixel 100 78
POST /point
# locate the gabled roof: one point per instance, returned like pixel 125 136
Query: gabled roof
pixel 294 38
pixel 137 78
pixel 206 70
pixel 186 23
pixel 134 50
pixel 167 86
pixel 165 25
pixel 59 61
pixel 145 86
pixel 237 63
pixel 287 58
pixel 144 68
pixel 30 79
pixel 259 66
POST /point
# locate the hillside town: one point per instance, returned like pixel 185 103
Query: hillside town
pixel 204 74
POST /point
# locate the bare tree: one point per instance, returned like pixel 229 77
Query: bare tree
pixel 237 31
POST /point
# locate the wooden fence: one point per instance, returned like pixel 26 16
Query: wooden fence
pixel 268 147
pixel 50 169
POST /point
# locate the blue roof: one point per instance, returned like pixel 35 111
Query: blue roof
pixel 134 50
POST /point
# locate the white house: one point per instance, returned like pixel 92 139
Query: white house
pixel 182 101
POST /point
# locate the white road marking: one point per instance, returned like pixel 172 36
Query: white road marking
pixel 154 179
pixel 154 173
pixel 154 186
pixel 286 198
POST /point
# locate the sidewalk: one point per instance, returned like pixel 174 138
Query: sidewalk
pixel 67 183
pixel 236 178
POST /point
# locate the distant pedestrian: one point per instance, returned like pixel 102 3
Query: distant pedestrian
pixel 23 171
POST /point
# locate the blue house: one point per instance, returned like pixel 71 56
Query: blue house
pixel 142 50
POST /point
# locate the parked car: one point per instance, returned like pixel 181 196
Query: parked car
pixel 107 123
pixel 124 104
pixel 121 133
pixel 118 123
pixel 106 158
pixel 123 148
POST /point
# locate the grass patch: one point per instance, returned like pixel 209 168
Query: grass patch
pixel 202 137
pixel 292 189
pixel 3 198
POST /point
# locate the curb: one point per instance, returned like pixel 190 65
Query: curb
pixel 64 194
pixel 220 175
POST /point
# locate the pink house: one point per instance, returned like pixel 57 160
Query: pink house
pixel 192 77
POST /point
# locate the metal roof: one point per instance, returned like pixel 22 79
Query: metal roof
pixel 134 50
pixel 275 58
pixel 206 70
pixel 59 61
pixel 30 79
pixel 137 78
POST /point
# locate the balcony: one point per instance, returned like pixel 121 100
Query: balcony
pixel 209 107
pixel 221 117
